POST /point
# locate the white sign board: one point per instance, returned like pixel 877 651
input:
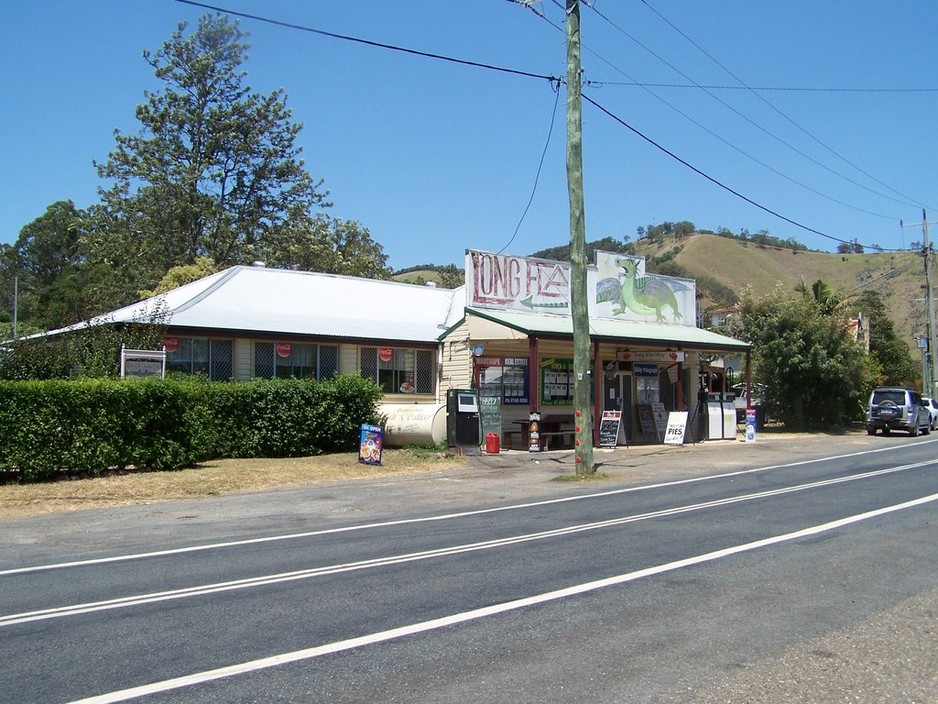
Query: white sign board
pixel 677 423
pixel 141 363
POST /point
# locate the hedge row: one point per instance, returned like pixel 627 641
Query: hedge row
pixel 92 426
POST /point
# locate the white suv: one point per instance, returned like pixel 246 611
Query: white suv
pixel 932 406
pixel 894 408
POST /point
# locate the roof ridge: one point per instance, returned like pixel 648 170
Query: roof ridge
pixel 226 276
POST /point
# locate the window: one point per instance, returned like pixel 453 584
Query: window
pixel 505 378
pixel 556 382
pixel 400 370
pixel 287 359
pixel 193 355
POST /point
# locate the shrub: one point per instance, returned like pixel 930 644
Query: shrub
pixel 92 426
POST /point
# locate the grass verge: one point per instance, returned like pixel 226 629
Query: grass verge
pixel 214 478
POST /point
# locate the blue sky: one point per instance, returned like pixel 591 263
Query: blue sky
pixel 434 158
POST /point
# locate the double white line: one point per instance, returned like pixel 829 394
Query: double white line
pixel 202 590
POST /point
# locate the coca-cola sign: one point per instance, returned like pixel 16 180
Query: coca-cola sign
pixel 284 349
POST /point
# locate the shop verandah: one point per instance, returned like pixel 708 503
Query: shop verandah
pixel 523 369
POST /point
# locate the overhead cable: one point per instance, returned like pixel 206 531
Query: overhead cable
pixel 772 106
pixel 756 124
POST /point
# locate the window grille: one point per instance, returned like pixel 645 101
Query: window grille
pixel 303 361
pixel 221 360
pixel 328 361
pixel 407 371
pixel 210 358
pixel 264 359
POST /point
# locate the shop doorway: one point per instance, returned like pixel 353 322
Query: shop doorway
pixel 617 396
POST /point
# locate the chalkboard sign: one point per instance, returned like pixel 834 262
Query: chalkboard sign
pixel 647 418
pixel 661 418
pixel 490 414
pixel 609 428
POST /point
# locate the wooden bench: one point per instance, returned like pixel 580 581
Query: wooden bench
pixel 546 437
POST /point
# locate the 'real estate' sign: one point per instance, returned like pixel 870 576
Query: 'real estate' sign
pixel 517 283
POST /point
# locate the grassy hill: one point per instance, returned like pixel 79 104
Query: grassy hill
pixel 897 276
pixel 417 276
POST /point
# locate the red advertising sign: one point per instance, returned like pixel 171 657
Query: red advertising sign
pixel 385 354
pixel 284 349
pixel 170 344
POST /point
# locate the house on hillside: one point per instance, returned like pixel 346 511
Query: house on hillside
pixel 507 334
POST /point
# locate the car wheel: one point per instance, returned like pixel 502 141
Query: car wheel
pixel 886 430
pixel 870 430
pixel 913 429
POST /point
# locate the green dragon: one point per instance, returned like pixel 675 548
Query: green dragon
pixel 645 295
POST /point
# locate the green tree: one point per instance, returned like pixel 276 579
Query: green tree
pixel 215 169
pixel 333 246
pixel 55 280
pixel 451 276
pixel 684 229
pixel 182 275
pixel 815 374
pixel 827 300
pixel 897 366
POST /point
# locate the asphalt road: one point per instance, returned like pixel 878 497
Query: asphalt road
pixel 718 572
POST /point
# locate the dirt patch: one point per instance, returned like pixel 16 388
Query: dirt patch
pixel 214 478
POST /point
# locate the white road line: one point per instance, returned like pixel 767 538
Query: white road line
pixel 201 590
pixel 428 519
pixel 466 616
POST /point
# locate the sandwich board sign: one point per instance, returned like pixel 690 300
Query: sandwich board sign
pixel 677 424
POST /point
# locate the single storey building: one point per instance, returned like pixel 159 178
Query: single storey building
pixel 507 334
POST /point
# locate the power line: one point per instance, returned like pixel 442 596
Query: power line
pixel 540 165
pixel 753 122
pixel 772 106
pixel 698 86
pixel 714 180
pixel 552 79
pixel 367 42
pixel 716 136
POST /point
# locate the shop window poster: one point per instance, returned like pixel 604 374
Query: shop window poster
pixel 556 382
pixel 506 378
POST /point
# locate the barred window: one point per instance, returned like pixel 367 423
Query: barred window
pixel 399 370
pixel 193 355
pixel 284 360
pixel 264 359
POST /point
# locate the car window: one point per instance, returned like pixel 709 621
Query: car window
pixel 894 395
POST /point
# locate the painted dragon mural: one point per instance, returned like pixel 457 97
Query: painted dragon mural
pixel 641 295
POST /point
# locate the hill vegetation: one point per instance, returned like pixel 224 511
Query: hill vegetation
pixel 725 267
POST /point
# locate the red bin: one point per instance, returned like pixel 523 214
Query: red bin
pixel 492 444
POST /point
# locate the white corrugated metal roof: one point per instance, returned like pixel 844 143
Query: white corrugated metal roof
pixel 636 332
pixel 284 302
pixel 279 301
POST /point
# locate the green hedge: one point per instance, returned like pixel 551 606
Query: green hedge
pixel 91 426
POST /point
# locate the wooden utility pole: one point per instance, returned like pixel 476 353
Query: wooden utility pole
pixel 929 307
pixel 582 355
